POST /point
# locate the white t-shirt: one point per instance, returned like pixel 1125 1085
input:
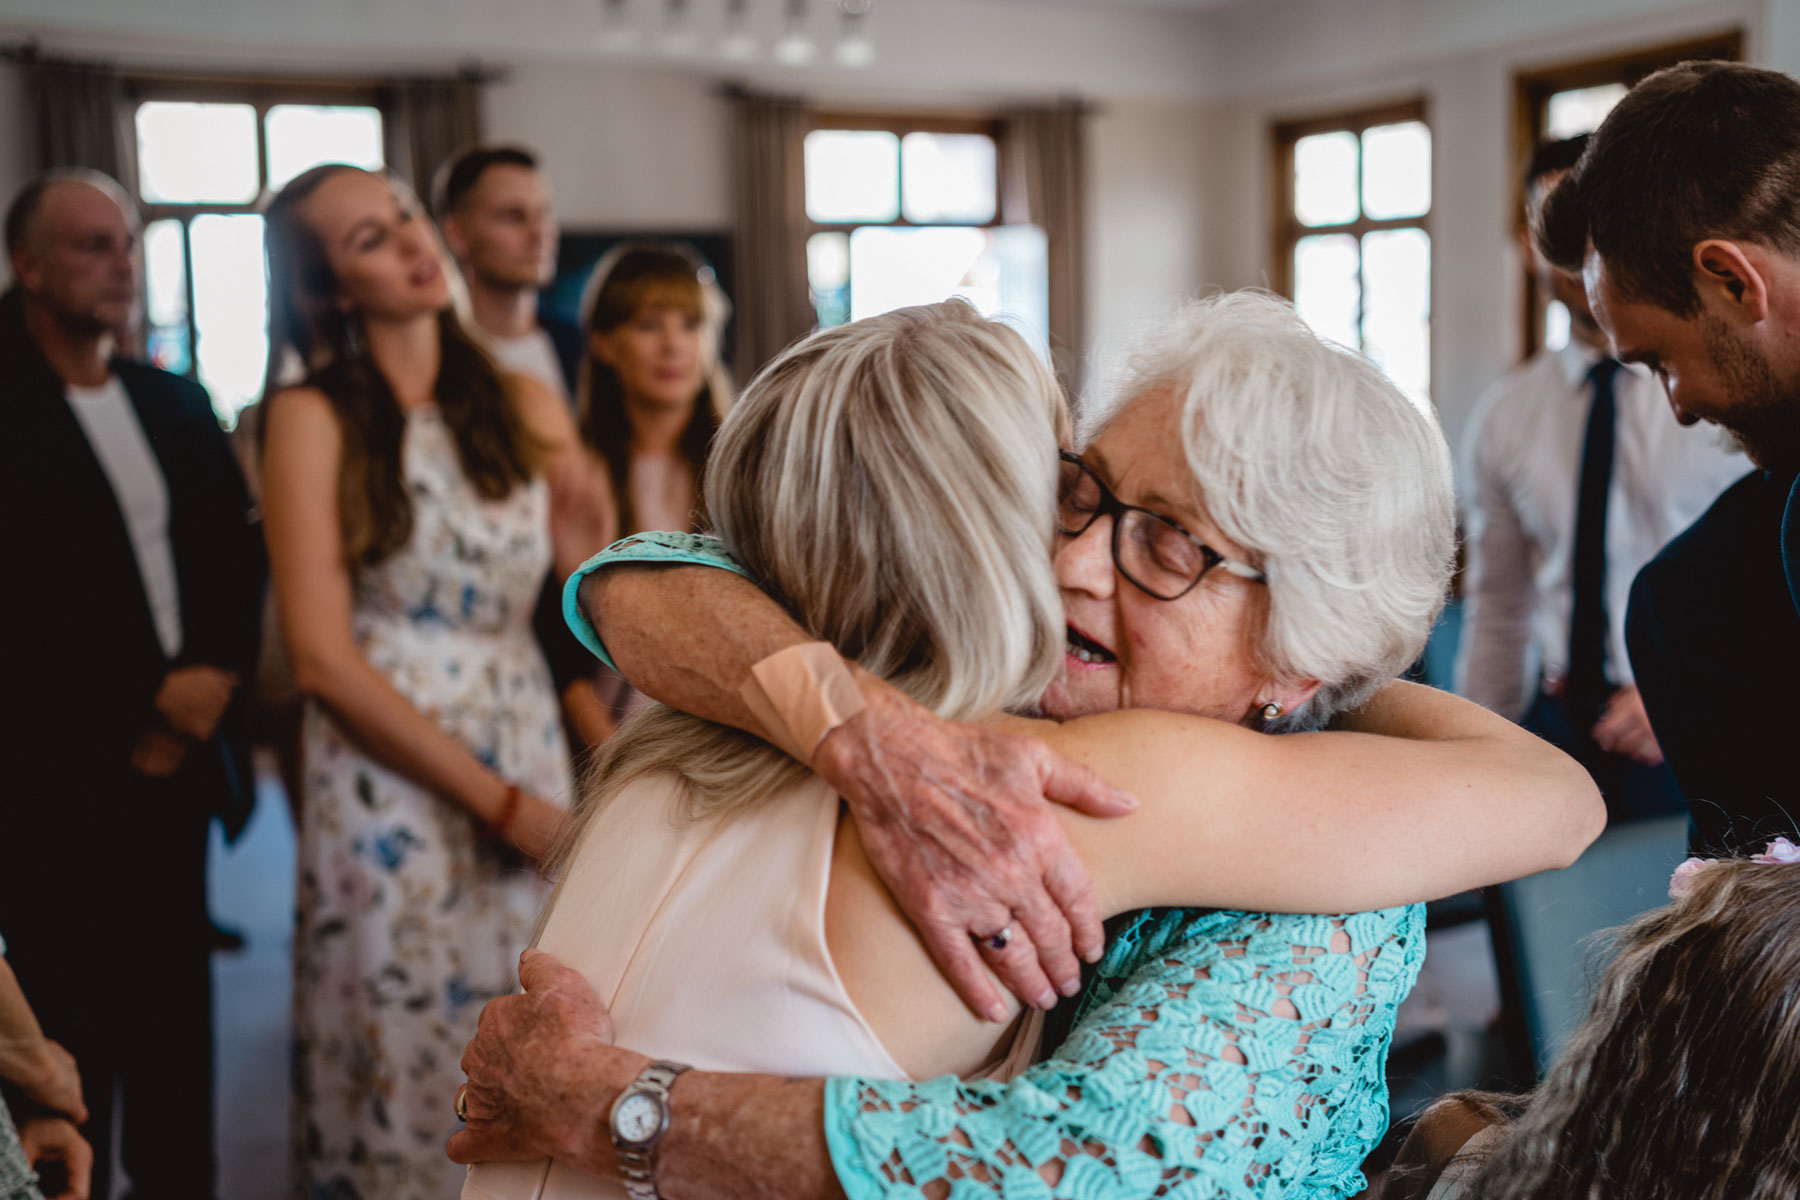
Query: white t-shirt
pixel 142 493
pixel 532 354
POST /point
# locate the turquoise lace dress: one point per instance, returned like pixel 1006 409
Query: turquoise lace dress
pixel 1214 1054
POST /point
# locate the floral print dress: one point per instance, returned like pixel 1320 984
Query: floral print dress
pixel 408 921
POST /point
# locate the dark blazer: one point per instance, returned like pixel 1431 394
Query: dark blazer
pixel 1714 637
pixel 85 662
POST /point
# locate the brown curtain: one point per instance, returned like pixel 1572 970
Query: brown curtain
pixel 773 304
pixel 80 116
pixel 1045 185
pixel 431 120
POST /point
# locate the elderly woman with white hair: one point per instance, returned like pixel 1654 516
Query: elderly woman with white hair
pixel 1254 538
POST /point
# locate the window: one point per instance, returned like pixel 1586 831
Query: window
pixel 1353 249
pixel 1564 102
pixel 206 160
pixel 907 211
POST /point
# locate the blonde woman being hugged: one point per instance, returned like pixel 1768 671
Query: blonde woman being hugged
pixel 651 395
pixel 412 497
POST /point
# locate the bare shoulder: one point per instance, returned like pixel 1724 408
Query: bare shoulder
pixel 299 416
pixel 542 409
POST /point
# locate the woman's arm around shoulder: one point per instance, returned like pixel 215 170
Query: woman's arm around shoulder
pixel 1420 795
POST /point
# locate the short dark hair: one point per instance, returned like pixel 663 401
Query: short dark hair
pixel 463 170
pixel 30 198
pixel 1551 157
pixel 1703 149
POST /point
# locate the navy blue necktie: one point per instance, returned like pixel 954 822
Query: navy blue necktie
pixel 1587 686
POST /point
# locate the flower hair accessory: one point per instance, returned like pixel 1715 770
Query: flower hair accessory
pixel 1681 883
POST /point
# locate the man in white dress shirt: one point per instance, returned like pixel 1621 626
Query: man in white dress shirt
pixel 1576 477
pixel 495 210
pixel 130 617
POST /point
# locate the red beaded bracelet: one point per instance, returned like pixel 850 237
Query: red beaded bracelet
pixel 509 812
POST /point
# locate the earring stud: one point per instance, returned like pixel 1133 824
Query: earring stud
pixel 1270 711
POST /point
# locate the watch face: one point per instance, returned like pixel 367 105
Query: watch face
pixel 639 1118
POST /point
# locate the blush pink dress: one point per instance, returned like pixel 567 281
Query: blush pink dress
pixel 707 943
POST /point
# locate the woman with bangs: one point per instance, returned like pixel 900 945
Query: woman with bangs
pixel 414 497
pixel 651 395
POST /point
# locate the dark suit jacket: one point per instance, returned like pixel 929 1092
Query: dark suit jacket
pixel 85 662
pixel 1714 637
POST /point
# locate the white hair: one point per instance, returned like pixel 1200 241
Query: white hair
pixel 1334 483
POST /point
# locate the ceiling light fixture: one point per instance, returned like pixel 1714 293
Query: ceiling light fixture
pixel 855 48
pixel 796 47
pixel 738 44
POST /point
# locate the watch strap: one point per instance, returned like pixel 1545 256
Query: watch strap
pixel 637 1164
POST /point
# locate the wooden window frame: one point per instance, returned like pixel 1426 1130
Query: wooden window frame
pixel 1287 227
pixel 261 93
pixel 1531 99
pixel 901 124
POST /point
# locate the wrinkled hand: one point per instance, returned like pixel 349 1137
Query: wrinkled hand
pixel 54 1082
pixel 1624 728
pixel 957 820
pixel 54 1140
pixel 158 753
pixel 194 699
pixel 543 1072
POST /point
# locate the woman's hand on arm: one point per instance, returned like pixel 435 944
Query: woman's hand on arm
pixel 959 820
pixel 313 591
pixel 1422 795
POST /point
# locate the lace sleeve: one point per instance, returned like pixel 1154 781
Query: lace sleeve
pixel 1223 1054
pixel 657 547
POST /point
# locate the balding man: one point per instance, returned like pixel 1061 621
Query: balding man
pixel 134 575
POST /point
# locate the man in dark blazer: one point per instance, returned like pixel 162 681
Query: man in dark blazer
pixel 1684 216
pixel 134 580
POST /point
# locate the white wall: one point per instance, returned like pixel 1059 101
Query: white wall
pixel 1469 98
pixel 1147 211
pixel 624 148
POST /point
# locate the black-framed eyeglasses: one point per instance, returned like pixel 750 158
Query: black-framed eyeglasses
pixel 1160 557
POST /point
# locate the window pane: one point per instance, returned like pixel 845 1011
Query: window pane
pixel 231 309
pixel 1396 323
pixel 852 175
pixel 1396 171
pixel 1580 111
pixel 196 153
pixel 165 298
pixel 302 136
pixel 1556 325
pixel 828 274
pixel 1325 178
pixel 1002 272
pixel 1325 286
pixel 948 178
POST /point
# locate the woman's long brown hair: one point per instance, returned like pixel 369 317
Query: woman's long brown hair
pixel 1683 1080
pixel 307 327
pixel 630 278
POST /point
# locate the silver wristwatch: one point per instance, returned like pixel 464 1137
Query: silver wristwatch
pixel 640 1117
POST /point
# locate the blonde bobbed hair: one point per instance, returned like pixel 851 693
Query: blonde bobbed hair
pixel 892 483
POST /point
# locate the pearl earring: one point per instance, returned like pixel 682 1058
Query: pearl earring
pixel 1270 711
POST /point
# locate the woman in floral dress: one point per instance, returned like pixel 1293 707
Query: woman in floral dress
pixel 414 498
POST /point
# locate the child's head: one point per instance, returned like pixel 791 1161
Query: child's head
pixel 1683 1081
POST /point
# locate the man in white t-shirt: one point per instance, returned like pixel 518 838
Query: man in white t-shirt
pixel 495 210
pixel 1575 478
pixel 130 619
